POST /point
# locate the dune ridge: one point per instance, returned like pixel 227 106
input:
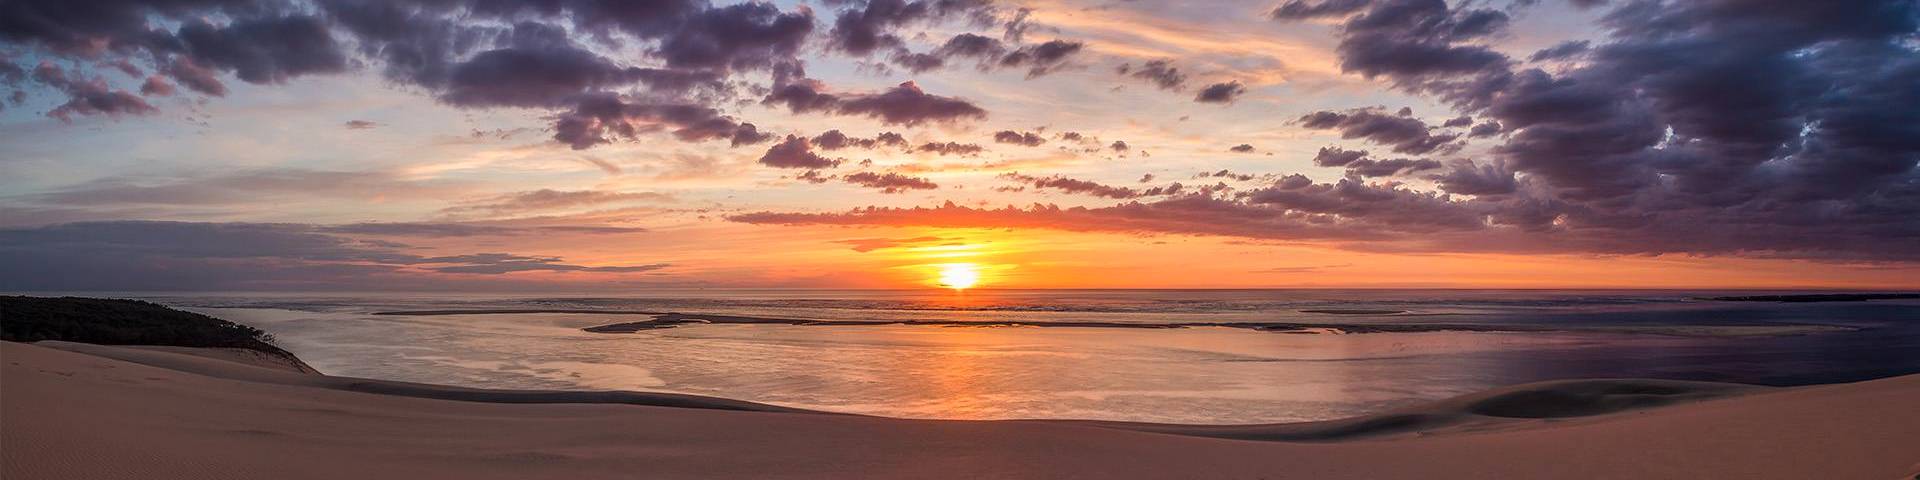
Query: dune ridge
pixel 172 413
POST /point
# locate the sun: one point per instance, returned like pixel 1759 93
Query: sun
pixel 958 276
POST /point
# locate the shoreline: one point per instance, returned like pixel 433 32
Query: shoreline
pixel 199 413
pixel 666 320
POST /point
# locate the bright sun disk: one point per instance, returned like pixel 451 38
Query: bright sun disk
pixel 959 276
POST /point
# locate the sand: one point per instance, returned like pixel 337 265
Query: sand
pixel 98 412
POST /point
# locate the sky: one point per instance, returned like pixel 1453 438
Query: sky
pixel 599 145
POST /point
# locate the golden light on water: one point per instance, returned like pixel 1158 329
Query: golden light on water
pixel 958 276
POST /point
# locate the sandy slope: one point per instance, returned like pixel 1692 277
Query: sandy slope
pixel 135 412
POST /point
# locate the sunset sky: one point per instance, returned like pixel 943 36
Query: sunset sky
pixel 617 146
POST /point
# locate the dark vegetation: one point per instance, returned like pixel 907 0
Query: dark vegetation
pixel 122 322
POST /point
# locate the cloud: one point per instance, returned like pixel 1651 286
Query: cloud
pixel 950 148
pixel 870 25
pixel 360 124
pixel 1485 129
pixel 1160 73
pixel 549 199
pixel 140 255
pixel 466 53
pixel 1075 186
pixel 466 229
pixel 905 104
pixel 502 263
pixel 748 35
pixel 796 152
pixel 1419 45
pixel 1042 59
pixel 1337 157
pixel 1241 148
pixel 1391 217
pixel 602 118
pixel 265 50
pixel 990 54
pixel 1303 268
pixel 1224 92
pixel 89 96
pixel 1567 50
pixel 834 140
pixel 1404 134
pixel 547 72
pixel 1467 178
pixel 155 86
pixel 890 182
pixel 864 245
pixel 1307 9
pixel 1368 167
pixel 420 229
pixel 1019 138
pixel 1357 163
pixel 241 187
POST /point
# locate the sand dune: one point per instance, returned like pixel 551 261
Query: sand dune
pixel 88 411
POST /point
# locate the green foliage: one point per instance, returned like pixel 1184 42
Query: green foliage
pixel 121 322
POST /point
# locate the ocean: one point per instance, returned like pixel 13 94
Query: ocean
pixel 1180 356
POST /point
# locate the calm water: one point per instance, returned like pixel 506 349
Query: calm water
pixel 1192 375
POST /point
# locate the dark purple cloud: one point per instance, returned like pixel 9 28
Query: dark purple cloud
pixel 1419 45
pixel 890 182
pixel 969 45
pixel 1160 73
pixel 1368 167
pixel 950 148
pixel 195 77
pixel 872 25
pixel 265 50
pixel 546 75
pixel 1570 49
pixel 1484 130
pixel 1072 185
pixel 467 53
pixel 1468 178
pixel 1763 127
pixel 796 152
pixel 1337 157
pixel 603 118
pixel 835 140
pixel 89 96
pixel 748 35
pixel 1019 138
pixel 1224 92
pixel 990 54
pixel 139 255
pixel 1042 59
pixel 905 105
pixel 1306 9
pixel 1404 134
